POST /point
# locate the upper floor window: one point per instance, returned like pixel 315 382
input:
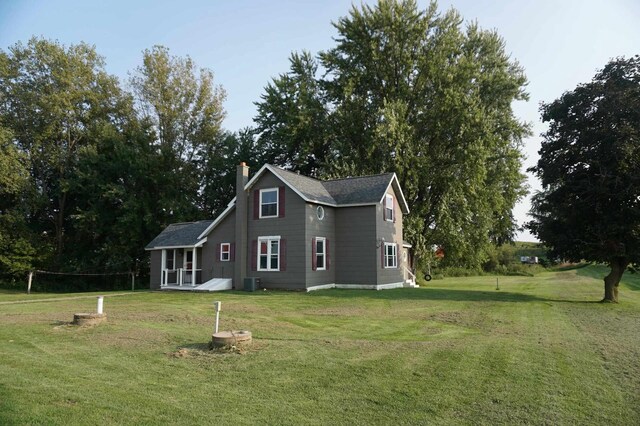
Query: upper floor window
pixel 269 202
pixel 225 252
pixel 390 255
pixel 388 208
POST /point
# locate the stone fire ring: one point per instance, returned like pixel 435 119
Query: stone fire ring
pixel 89 319
pixel 231 338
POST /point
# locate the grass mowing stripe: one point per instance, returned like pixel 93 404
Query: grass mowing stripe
pixel 457 352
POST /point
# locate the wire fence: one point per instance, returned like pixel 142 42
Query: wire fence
pixel 68 282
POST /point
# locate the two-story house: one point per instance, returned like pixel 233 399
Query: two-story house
pixel 293 232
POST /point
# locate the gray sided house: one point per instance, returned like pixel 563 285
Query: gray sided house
pixel 292 232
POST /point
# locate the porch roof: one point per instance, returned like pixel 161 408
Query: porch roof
pixel 184 234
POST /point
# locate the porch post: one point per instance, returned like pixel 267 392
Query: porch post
pixel 194 266
pixel 163 280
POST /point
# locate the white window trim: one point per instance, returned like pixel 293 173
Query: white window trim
pixel 227 252
pixel 268 240
pixel 324 253
pixel 388 258
pixel 388 200
pixel 277 190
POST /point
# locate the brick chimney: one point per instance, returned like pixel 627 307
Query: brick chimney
pixel 242 177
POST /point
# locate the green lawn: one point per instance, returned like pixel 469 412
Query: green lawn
pixel 458 352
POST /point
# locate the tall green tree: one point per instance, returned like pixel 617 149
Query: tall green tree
pixel 53 96
pixel 418 93
pixel 185 107
pixel 293 119
pixel 219 174
pixel 17 254
pixel 589 206
pixel 118 209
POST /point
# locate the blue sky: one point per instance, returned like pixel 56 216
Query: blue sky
pixel 247 42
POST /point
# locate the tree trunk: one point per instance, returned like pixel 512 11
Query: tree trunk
pixel 611 281
pixel 59 224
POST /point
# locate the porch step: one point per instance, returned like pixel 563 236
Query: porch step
pixel 410 284
pixel 215 284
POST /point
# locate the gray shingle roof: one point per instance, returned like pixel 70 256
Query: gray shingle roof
pixel 359 190
pixel 179 234
pixel 338 192
pixel 311 188
pixel 355 190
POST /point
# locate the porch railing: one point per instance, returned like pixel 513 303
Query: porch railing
pixel 180 277
pixel 411 275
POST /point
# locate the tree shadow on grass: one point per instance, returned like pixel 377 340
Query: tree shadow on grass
pixel 431 294
pixel 630 279
pixel 434 294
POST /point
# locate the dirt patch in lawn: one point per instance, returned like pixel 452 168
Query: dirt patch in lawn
pixel 37 318
pixel 347 311
pixel 131 339
pixel 459 318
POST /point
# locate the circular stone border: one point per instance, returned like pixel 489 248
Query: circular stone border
pixel 89 319
pixel 231 338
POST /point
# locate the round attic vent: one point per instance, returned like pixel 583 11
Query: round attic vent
pixel 320 212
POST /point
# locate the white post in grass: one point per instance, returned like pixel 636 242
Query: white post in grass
pixel 30 280
pixel 218 307
pixel 100 304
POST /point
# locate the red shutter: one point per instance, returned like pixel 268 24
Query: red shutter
pixel 283 254
pixel 382 257
pixel 281 203
pixel 232 252
pixel 256 203
pixel 326 254
pixel 314 259
pixel 218 249
pixel 384 208
pixel 254 255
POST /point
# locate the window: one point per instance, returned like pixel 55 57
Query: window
pixel 321 254
pixel 170 260
pixel 269 202
pixel 269 254
pixel 225 252
pixel 188 259
pixel 320 212
pixel 390 255
pixel 388 208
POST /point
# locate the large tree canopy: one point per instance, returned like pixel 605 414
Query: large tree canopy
pixel 53 97
pixel 86 178
pixel 185 107
pixel 414 92
pixel 589 208
pixel 17 250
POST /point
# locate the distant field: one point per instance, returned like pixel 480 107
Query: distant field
pixel 457 352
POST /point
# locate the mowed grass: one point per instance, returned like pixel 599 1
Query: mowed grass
pixel 539 350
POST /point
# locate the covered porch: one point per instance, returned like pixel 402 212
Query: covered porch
pixel 181 267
